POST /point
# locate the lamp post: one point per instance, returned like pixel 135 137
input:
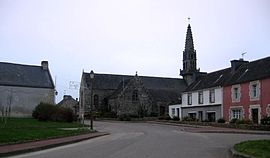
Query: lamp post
pixel 91 106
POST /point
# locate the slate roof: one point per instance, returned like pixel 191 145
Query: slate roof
pixel 213 79
pixel 250 71
pixel 24 76
pixel 161 89
pixel 255 70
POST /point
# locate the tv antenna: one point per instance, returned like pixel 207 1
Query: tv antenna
pixel 243 55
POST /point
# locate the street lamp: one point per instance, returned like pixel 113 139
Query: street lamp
pixel 91 106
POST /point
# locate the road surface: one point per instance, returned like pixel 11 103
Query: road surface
pixel 146 140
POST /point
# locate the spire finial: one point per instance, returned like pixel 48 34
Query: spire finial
pixel 188 20
pixel 136 73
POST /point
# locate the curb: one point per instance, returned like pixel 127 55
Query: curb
pixel 236 154
pixel 228 130
pixel 9 150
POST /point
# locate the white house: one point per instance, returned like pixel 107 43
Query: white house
pixel 175 110
pixel 203 99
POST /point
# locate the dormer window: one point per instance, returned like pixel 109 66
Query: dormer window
pixel 254 90
pixel 236 93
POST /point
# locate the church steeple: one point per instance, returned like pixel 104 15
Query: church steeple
pixel 189 58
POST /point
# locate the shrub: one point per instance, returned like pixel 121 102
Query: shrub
pixel 124 117
pixel 187 118
pixel 265 121
pixel 233 120
pixel 50 112
pixel 247 122
pixel 44 111
pixel 167 117
pixel 175 118
pixel 221 120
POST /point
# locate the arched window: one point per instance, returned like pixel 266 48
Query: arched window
pixel 96 100
pixel 135 95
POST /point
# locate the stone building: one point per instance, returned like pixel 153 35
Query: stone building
pixel 69 102
pixel 131 95
pixel 23 87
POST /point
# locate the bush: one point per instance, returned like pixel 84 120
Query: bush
pixel 50 112
pixel 187 118
pixel 247 122
pixel 233 120
pixel 237 121
pixel 124 117
pixel 175 118
pixel 221 120
pixel 265 121
pixel 167 117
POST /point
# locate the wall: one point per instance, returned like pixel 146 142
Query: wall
pixel 245 101
pixel 23 100
pixel 218 97
pixel 178 106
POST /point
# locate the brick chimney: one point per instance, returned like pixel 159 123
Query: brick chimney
pixel 45 65
pixel 235 64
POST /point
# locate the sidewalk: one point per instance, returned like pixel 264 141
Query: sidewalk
pixel 211 129
pixel 7 150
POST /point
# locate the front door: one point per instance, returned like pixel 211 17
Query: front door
pixel 178 112
pixel 255 115
pixel 200 116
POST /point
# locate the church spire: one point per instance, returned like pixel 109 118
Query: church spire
pixel 189 47
pixel 189 58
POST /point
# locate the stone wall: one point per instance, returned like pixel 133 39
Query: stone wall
pixel 22 100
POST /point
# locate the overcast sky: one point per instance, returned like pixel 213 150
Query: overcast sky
pixel 125 36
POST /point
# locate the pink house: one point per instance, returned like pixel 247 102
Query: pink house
pixel 246 95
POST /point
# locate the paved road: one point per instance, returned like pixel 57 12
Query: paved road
pixel 145 140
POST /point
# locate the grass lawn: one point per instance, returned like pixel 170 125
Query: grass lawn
pixel 256 148
pixel 26 129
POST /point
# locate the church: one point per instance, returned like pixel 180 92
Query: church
pixel 138 96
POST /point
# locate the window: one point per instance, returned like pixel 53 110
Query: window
pixel 212 96
pixel 254 90
pixel 135 95
pixel 200 97
pixel 192 115
pixel 236 95
pixel 236 114
pixel 189 98
pixel 173 111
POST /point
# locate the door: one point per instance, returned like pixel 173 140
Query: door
pixel 178 112
pixel 200 116
pixel 255 115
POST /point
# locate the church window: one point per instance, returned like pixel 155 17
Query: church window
pixel 135 95
pixel 96 99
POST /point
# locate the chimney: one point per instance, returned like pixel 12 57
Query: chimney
pixel 235 64
pixel 67 97
pixel 45 65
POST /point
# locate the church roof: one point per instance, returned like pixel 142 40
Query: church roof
pixel 160 88
pixel 24 76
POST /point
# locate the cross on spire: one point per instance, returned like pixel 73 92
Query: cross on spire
pixel 189 20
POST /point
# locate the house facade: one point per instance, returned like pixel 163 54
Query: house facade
pixel 23 87
pixel 203 99
pixel 71 103
pixel 247 92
